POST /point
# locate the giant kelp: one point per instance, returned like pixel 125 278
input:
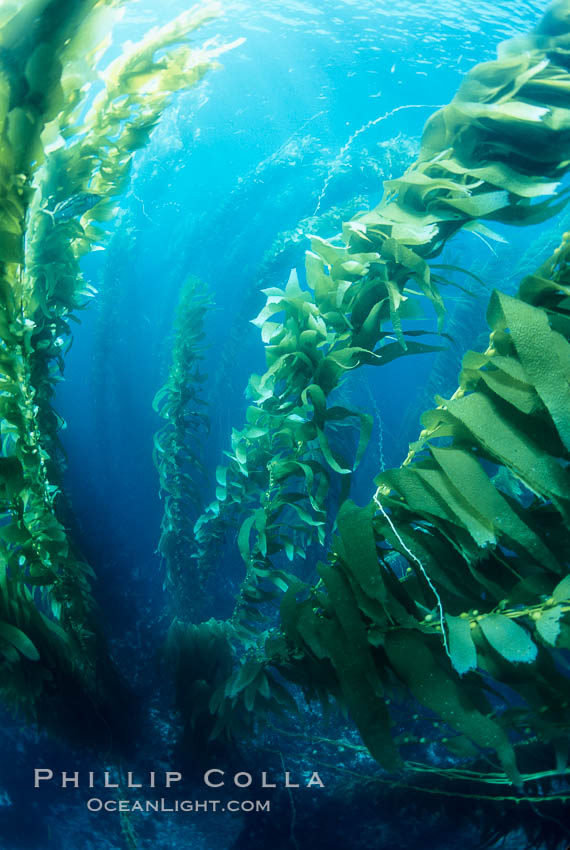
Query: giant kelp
pixel 218 518
pixel 64 157
pixel 454 579
pixel 496 152
pixel 475 606
pixel 36 551
pixel 477 161
pixel 81 178
pixel 177 447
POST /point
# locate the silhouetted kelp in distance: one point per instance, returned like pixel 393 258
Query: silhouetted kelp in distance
pixel 58 159
pixel 362 628
pixel 177 447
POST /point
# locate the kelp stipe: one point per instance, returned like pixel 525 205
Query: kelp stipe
pixel 177 450
pixel 61 169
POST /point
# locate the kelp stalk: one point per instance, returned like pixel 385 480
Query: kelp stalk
pixel 177 449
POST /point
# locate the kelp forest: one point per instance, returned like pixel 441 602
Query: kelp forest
pixel 432 616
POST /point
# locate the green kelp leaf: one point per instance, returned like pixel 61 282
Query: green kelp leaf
pixel 463 512
pixel 346 643
pixel 19 640
pixel 351 357
pixel 487 501
pixel 418 267
pixel 506 111
pixel 293 289
pixel 478 206
pixel 328 455
pixel 461 646
pixel 368 294
pixel 241 453
pixel 263 685
pixel 21 132
pixel 417 493
pixel 43 69
pixel 371 330
pixel 508 638
pixel 57 630
pixel 417 666
pixel 270 331
pixel 249 696
pixel 330 254
pixel 394 250
pixel 423 185
pixel 563 640
pixel 548 624
pixel 418 232
pixel 396 298
pixel 323 285
pixel 11 247
pixel 359 547
pixel 305 516
pixel 273 306
pixel 14 533
pixel 561 592
pixel 366 426
pixel 10 653
pixel 532 336
pixel 314 395
pixel 281 580
pixel 522 215
pixel 481 230
pixel 501 175
pixel 518 394
pixel 510 444
pixel 253 594
pixel 242 677
pixel 11 475
pixel 243 538
pixel 291 612
pixel 534 285
pixel 461 746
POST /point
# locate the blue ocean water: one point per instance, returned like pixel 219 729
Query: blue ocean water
pixel 297 130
